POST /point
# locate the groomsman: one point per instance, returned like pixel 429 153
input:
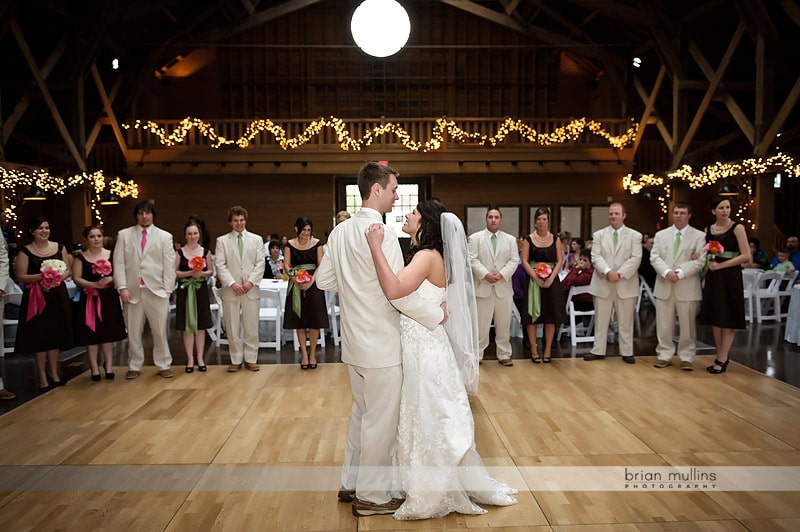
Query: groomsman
pixel 677 289
pixel 616 254
pixel 144 274
pixel 494 256
pixel 240 268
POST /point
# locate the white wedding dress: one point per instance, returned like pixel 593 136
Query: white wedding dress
pixel 440 470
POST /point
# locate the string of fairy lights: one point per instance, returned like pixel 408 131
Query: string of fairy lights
pixel 443 127
pixel 15 181
pixel 709 175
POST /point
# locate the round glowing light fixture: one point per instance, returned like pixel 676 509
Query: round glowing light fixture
pixel 380 27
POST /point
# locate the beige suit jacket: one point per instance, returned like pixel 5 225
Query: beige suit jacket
pixel 370 322
pixel 482 260
pixel 155 265
pixel 234 269
pixel 624 259
pixel 663 258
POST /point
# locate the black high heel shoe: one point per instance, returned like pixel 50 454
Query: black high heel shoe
pixel 96 378
pixel 44 389
pixel 54 383
pixel 202 369
pixel 723 366
pixel 109 374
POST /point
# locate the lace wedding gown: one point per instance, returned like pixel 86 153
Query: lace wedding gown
pixel 440 470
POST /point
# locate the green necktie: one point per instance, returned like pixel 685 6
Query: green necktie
pixel 677 243
pixel 616 239
pixel 240 243
pixel 494 243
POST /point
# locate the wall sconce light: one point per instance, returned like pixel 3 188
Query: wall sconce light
pixel 110 199
pixel 514 163
pixel 251 164
pixel 460 163
pixel 277 164
pixel 728 190
pixel 542 163
pixel 304 163
pixel 488 163
pixel 35 194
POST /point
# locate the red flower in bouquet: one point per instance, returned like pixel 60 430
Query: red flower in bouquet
pixel 543 270
pixel 714 247
pixel 101 267
pixel 197 264
pixel 302 276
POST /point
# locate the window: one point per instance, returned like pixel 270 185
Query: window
pixel 411 192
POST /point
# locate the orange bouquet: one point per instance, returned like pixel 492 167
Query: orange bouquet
pixel 197 264
pixel 543 270
pixel 714 247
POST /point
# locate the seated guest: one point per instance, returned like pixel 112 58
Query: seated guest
pixel 646 269
pixel 793 247
pixel 566 246
pixel 759 258
pixel 580 275
pixel 274 269
pixel 342 216
pixel 575 250
pixel 784 264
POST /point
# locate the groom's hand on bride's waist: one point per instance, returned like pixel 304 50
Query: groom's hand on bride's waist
pixel 444 311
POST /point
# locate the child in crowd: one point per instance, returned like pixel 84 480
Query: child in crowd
pixel 784 264
pixel 580 275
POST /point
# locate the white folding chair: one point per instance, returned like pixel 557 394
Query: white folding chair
pixel 749 279
pixel 334 313
pixel 579 332
pixel 271 311
pixel 12 294
pixel 765 296
pixel 219 324
pixel 646 291
pixel 785 291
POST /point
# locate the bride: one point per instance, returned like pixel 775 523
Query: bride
pixel 440 470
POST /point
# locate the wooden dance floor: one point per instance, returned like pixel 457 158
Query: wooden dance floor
pixel 262 451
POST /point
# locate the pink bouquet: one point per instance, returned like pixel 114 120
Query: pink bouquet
pixel 714 247
pixel 197 264
pixel 53 271
pixel 101 267
pixel 543 270
pixel 302 276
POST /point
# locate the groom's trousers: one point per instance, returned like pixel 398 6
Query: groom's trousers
pixel 372 433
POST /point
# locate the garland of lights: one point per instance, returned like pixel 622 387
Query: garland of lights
pixel 709 175
pixel 561 135
pixel 16 180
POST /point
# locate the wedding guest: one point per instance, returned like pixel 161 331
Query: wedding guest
pixel 101 322
pixel 305 302
pixel 646 269
pixel 545 299
pixel 45 322
pixel 723 293
pixel 793 247
pixel 784 264
pixel 758 257
pixel 144 274
pixel 580 275
pixel 576 246
pixel 566 247
pixel 342 216
pixel 192 299
pixel 274 268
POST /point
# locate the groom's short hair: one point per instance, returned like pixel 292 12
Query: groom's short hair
pixel 371 173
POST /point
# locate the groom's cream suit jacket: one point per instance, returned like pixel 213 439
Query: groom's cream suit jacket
pixel 370 322
pixel 233 269
pixel 155 265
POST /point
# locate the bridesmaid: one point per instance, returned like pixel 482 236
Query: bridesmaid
pixel 45 322
pixel 723 293
pixel 192 300
pixel 101 322
pixel 548 308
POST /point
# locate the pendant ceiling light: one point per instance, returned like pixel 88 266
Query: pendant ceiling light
pixel 380 27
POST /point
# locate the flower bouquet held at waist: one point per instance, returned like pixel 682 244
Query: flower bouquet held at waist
pixel 197 264
pixel 543 270
pixel 715 249
pixel 297 275
pixel 53 271
pixel 192 285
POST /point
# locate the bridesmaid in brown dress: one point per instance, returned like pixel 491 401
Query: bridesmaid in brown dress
pixel 542 246
pixel 723 299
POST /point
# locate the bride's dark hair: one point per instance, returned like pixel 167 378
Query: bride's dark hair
pixel 429 234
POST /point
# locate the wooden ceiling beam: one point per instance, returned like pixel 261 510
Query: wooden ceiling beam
pixel 660 125
pixel 736 112
pixel 109 112
pixel 650 103
pixel 488 14
pixel 51 104
pixel 780 120
pixel 712 87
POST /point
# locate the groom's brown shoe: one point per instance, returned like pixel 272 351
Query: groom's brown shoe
pixel 346 495
pixel 366 508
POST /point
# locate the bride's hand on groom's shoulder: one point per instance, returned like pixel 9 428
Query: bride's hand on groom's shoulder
pixel 374 234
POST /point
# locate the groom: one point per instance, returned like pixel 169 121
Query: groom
pixel 371 343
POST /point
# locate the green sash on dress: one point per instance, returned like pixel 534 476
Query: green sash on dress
pixel 535 294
